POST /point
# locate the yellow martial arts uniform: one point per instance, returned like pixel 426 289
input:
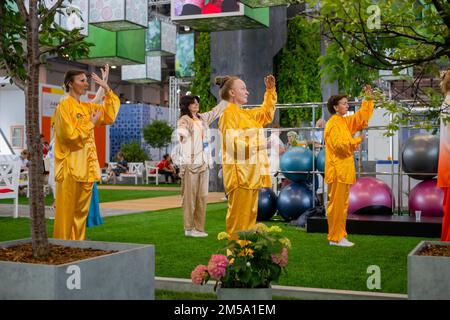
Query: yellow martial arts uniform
pixel 340 165
pixel 76 163
pixel 245 161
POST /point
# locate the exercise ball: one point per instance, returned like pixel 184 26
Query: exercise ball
pixel 420 154
pixel 267 204
pixel 309 181
pixel 296 159
pixel 293 200
pixel 320 161
pixel 428 198
pixel 370 196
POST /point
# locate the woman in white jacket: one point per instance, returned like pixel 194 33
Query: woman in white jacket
pixel 195 161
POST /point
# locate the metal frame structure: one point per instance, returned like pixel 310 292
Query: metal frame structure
pixel 395 208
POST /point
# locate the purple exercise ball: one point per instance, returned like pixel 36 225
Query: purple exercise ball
pixel 370 196
pixel 428 198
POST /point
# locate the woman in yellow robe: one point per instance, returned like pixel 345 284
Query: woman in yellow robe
pixel 76 163
pixel 245 161
pixel 339 160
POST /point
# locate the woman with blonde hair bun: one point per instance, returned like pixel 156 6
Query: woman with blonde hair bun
pixel 244 154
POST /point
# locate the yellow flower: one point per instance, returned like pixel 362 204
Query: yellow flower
pixel 244 243
pixel 286 242
pixel 223 236
pixel 246 252
pixel 231 261
pixel 275 229
pixel 260 227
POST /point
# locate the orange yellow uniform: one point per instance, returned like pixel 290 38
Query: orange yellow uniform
pixel 245 161
pixel 76 163
pixel 443 179
pixel 340 171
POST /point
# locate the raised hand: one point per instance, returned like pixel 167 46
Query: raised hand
pixel 95 116
pixel 105 72
pixel 102 83
pixel 269 81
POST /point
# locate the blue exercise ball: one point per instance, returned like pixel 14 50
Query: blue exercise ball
pixel 309 181
pixel 267 204
pixel 320 162
pixel 296 159
pixel 293 200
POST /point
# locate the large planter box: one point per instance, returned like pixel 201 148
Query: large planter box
pixel 126 274
pixel 244 294
pixel 428 276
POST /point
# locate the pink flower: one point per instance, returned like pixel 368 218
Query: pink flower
pixel 217 266
pixel 198 274
pixel 281 259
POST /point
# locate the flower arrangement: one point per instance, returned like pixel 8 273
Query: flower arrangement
pixel 254 260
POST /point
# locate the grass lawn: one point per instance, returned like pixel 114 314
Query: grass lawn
pixel 312 262
pixel 109 195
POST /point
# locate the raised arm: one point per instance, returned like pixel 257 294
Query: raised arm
pixel 361 118
pixel 111 104
pixel 215 112
pixel 265 113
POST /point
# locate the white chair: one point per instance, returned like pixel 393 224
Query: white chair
pixel 135 170
pixel 9 183
pixel 149 167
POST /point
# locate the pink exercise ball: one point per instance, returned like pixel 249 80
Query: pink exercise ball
pixel 370 196
pixel 428 198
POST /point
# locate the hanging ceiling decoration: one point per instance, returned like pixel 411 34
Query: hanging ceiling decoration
pixel 119 15
pixel 185 56
pixel 222 15
pixel 149 72
pixel 160 38
pixel 115 48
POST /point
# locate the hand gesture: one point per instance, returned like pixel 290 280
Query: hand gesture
pixel 102 83
pixel 105 72
pixel 362 136
pixel 95 116
pixel 368 91
pixel 269 81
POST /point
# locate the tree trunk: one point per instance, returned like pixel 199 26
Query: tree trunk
pixel 36 177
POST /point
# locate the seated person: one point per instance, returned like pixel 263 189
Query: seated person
pixel 121 167
pixel 292 139
pixel 318 135
pixel 166 168
pixel 24 160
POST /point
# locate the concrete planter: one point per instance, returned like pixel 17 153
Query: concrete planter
pixel 428 276
pixel 244 294
pixel 126 274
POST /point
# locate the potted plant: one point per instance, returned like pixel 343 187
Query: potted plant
pixel 428 276
pixel 249 264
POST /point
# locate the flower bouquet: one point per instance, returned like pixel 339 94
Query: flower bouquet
pixel 254 260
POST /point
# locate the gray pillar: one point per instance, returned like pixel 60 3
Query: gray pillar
pixel 328 88
pixel 249 53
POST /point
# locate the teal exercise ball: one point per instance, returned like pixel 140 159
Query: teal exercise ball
pixel 296 159
pixel 320 162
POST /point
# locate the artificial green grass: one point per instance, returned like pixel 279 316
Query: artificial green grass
pixel 108 195
pixel 312 262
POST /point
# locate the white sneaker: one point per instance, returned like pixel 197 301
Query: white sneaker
pixel 199 234
pixel 343 243
pixel 188 233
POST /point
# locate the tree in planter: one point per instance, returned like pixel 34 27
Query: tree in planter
pixel 158 134
pixel 28 36
pixel 133 152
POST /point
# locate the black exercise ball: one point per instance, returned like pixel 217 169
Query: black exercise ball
pixel 267 204
pixel 420 154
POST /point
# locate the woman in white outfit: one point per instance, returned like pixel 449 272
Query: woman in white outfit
pixel 195 161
